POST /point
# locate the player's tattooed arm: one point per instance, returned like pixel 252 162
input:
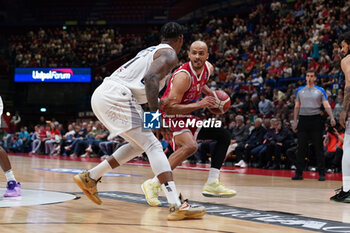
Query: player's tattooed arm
pixel 346 99
pixel 152 90
pixel 346 102
pixel 345 66
pixel 163 62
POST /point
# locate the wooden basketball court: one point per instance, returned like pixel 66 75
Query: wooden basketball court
pixel 264 203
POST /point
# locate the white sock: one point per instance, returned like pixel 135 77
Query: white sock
pixel 346 161
pixel 9 175
pixel 213 175
pixel 155 179
pixel 99 170
pixel 170 192
pixel 346 183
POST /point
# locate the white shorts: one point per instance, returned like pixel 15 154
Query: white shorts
pixel 116 107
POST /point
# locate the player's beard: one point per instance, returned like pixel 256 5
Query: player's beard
pixel 198 67
pixel 344 55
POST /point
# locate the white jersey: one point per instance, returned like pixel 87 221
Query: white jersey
pixel 131 74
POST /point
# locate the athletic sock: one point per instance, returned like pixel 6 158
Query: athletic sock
pixel 9 175
pixel 170 192
pixel 155 179
pixel 346 183
pixel 100 170
pixel 213 175
pixel 346 162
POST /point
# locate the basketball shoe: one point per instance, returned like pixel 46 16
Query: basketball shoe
pixel 13 189
pixel 341 196
pixel 217 189
pixel 88 186
pixel 185 211
pixel 151 190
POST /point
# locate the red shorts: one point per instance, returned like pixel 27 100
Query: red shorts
pixel 180 124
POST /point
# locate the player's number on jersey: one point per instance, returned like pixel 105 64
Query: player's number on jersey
pixel 130 62
pixel 143 53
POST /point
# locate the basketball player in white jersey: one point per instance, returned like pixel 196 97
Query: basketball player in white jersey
pixel 13 187
pixel 343 194
pixel 116 103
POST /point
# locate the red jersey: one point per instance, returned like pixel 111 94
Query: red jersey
pixel 196 82
pixel 192 94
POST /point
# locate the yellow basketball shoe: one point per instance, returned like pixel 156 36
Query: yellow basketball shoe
pixel 88 186
pixel 217 189
pixel 151 190
pixel 185 211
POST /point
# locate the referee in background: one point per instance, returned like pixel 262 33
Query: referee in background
pixel 308 103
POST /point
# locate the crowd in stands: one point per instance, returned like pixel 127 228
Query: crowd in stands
pixel 255 56
pixel 80 47
pixel 277 40
pixel 86 139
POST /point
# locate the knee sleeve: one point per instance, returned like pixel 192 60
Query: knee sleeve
pixel 145 141
pixel 127 152
pixel 157 158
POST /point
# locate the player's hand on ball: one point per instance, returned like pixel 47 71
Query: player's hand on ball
pixel 208 101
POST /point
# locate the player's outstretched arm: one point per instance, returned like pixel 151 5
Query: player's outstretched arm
pixel 164 61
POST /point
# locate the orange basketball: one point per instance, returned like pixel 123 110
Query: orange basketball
pixel 223 101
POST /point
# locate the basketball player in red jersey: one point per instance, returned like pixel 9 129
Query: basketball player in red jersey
pixel 184 88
